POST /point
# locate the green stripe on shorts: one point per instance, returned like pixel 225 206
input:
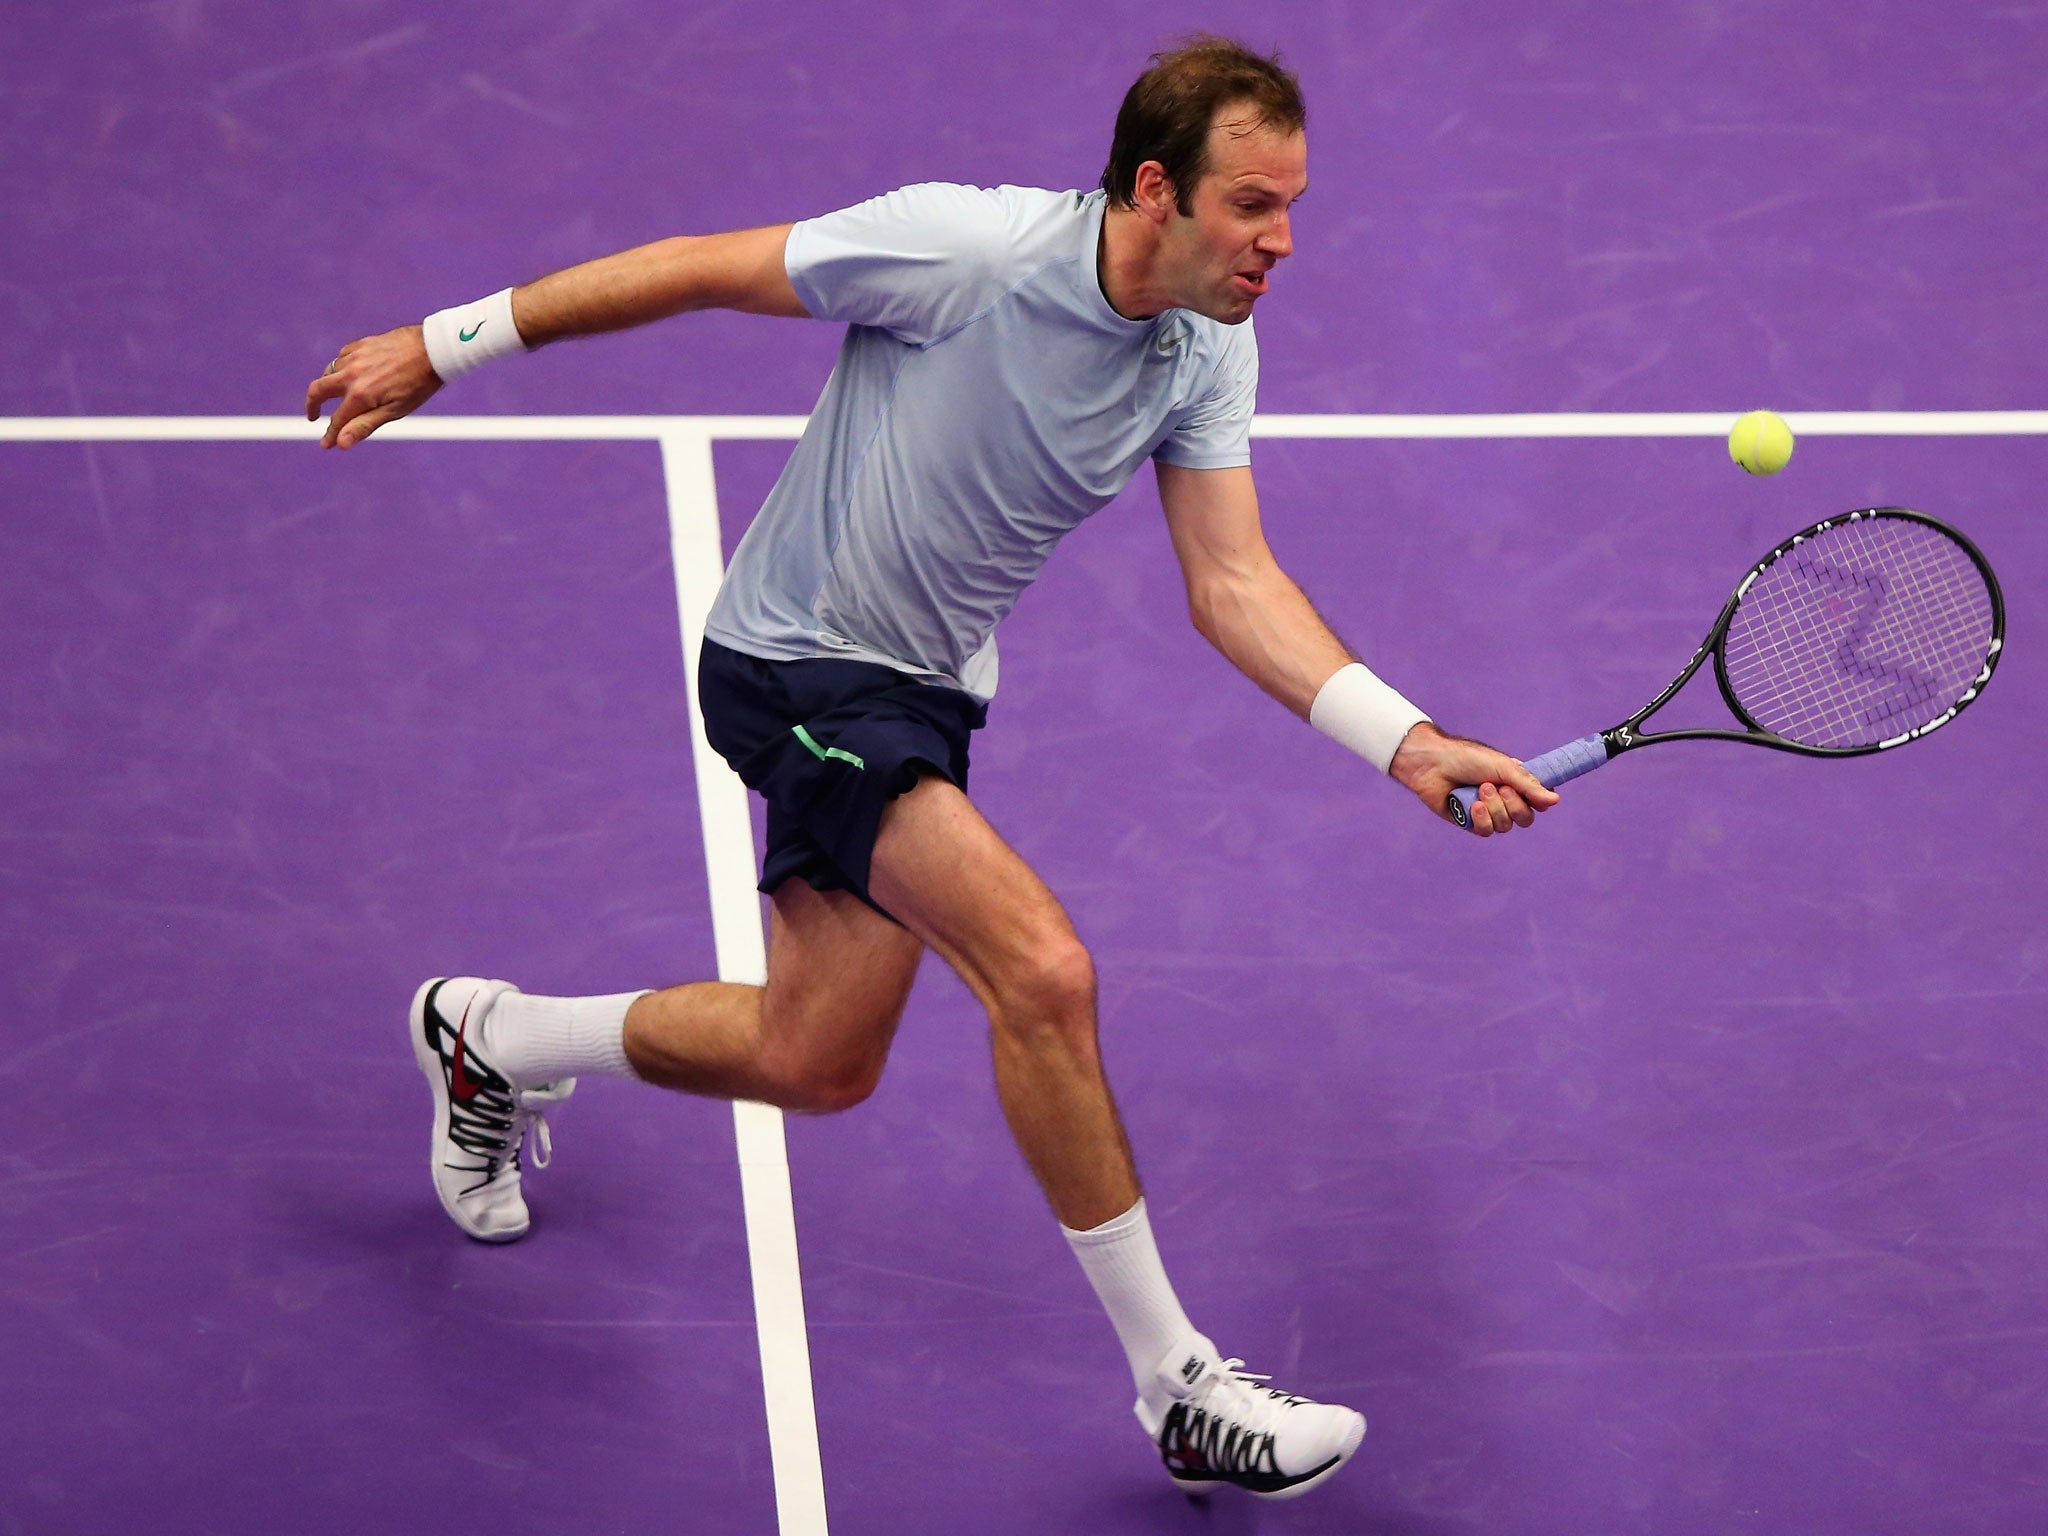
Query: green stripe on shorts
pixel 822 753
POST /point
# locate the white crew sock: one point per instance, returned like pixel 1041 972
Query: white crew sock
pixel 1122 1263
pixel 536 1040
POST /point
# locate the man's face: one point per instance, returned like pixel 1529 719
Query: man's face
pixel 1236 227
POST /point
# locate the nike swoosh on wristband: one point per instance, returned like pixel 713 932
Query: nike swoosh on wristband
pixel 470 334
pixel 460 1084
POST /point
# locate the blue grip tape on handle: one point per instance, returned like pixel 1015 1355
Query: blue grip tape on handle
pixel 1553 768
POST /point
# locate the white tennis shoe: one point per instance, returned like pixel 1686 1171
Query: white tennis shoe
pixel 1215 1424
pixel 481 1122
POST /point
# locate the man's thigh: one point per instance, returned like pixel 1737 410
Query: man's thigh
pixel 839 973
pixel 950 878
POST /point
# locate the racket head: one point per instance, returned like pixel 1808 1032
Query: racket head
pixel 1860 633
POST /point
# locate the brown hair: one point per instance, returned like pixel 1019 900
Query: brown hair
pixel 1167 113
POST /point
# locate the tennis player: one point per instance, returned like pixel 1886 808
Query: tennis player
pixel 1011 358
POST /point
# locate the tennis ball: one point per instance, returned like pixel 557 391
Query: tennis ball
pixel 1761 443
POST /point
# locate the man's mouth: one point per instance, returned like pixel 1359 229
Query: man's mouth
pixel 1254 283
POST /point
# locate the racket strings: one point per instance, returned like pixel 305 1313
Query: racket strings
pixel 1864 632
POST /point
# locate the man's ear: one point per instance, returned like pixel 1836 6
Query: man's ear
pixel 1151 192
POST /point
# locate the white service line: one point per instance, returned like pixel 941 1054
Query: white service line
pixel 699 558
pixel 432 428
pixel 1656 424
pixel 427 428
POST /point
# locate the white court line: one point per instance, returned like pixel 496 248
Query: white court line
pixel 699 557
pixel 1657 424
pixel 223 429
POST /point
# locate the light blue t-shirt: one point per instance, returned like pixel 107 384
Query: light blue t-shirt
pixel 986 400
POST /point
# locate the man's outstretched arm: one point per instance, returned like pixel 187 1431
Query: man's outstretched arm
pixel 376 379
pixel 1251 611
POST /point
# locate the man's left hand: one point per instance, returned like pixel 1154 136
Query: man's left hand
pixel 375 379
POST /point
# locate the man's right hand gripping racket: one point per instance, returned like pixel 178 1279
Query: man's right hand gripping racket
pixel 1863 633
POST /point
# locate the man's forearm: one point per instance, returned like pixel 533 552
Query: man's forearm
pixel 742 270
pixel 1266 627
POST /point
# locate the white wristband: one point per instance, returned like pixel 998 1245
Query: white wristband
pixel 462 339
pixel 1357 709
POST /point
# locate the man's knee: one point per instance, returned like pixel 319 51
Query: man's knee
pixel 1052 988
pixel 827 1088
pixel 820 1066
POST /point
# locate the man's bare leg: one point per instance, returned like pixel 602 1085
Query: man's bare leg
pixel 944 871
pixel 949 877
pixel 817 1035
pixel 814 1038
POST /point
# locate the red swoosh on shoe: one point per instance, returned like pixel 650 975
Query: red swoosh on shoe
pixel 460 1084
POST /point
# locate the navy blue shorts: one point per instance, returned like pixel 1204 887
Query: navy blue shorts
pixel 828 744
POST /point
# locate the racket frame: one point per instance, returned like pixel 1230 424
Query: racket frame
pixel 1627 736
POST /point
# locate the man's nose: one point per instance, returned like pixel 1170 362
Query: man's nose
pixel 1278 240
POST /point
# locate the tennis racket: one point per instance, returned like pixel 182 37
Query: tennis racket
pixel 1861 634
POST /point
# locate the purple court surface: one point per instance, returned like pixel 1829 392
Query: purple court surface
pixel 1675 1168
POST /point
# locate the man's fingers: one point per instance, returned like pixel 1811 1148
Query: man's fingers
pixel 1497 809
pixel 330 382
pixel 1488 816
pixel 349 408
pixel 364 424
pixel 1506 794
pixel 1518 809
pixel 320 391
pixel 1529 787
